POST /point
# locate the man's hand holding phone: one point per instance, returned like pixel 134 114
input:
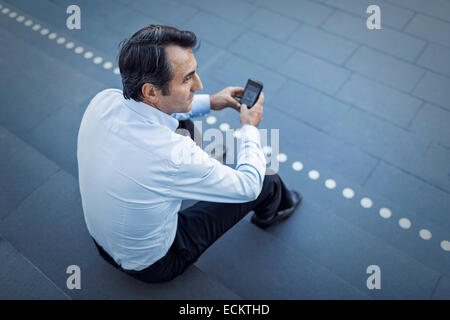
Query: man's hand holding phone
pixel 252 116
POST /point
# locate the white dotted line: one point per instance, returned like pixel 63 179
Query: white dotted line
pixel 107 65
pixel 347 192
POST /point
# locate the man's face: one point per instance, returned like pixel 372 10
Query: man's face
pixel 184 83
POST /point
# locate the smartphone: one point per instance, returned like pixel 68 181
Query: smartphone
pixel 251 93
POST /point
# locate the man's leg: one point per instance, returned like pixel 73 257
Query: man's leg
pixel 203 223
pixel 200 225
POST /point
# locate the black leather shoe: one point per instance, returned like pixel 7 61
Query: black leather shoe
pixel 280 215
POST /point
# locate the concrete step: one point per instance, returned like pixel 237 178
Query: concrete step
pixel 48 229
pixel 256 265
pixel 21 280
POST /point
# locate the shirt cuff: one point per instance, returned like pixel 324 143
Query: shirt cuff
pixel 201 105
pixel 252 133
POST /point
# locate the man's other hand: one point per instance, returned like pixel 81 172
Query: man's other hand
pixel 227 98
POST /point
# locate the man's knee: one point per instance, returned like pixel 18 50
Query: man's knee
pixel 270 184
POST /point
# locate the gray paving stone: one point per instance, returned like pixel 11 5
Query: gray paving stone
pixel 261 49
pixel 391 15
pixel 208 57
pixel 301 142
pixel 348 214
pixel 386 39
pixel 385 69
pixel 233 10
pixel 40 45
pixel 311 106
pixel 56 137
pixel 429 29
pixel 442 291
pixel 433 167
pixel 21 280
pixel 413 193
pixel 315 72
pixel 302 10
pixel 272 24
pixel 388 103
pixel 433 122
pixel 322 44
pixel 126 19
pixel 348 251
pixel 92 31
pixel 235 71
pixel 206 26
pixel 288 274
pixel 49 229
pixel 168 12
pixel 434 88
pixel 437 8
pixel 22 168
pixel 436 58
pixel 379 138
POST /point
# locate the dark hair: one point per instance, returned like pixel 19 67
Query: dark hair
pixel 142 58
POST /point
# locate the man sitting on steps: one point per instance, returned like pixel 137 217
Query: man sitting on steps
pixel 135 170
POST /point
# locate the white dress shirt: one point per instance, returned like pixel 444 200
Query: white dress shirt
pixel 134 171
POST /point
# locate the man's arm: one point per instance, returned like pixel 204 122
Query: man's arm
pixel 200 177
pixel 200 106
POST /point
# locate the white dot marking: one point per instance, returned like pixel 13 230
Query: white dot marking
pixel 281 157
pixel 88 55
pixel 425 234
pixel 20 19
pixel 98 60
pixel 107 65
pixel 13 14
pixel 404 223
pixel 297 165
pixel 44 31
pixel 348 193
pixel 445 245
pixel 366 203
pixel 36 27
pixel 385 213
pixel 70 45
pixel 28 23
pixel 224 126
pixel 314 174
pixel 116 71
pixel 79 50
pixel 52 36
pixel 330 184
pixel 61 40
pixel 267 149
pixel 211 120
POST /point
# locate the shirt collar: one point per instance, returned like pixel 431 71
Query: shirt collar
pixel 152 114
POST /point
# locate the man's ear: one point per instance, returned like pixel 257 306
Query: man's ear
pixel 149 92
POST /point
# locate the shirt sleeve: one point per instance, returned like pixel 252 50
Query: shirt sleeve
pixel 200 177
pixel 200 106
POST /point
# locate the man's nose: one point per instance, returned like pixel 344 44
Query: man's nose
pixel 198 84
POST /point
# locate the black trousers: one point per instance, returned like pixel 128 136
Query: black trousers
pixel 200 225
